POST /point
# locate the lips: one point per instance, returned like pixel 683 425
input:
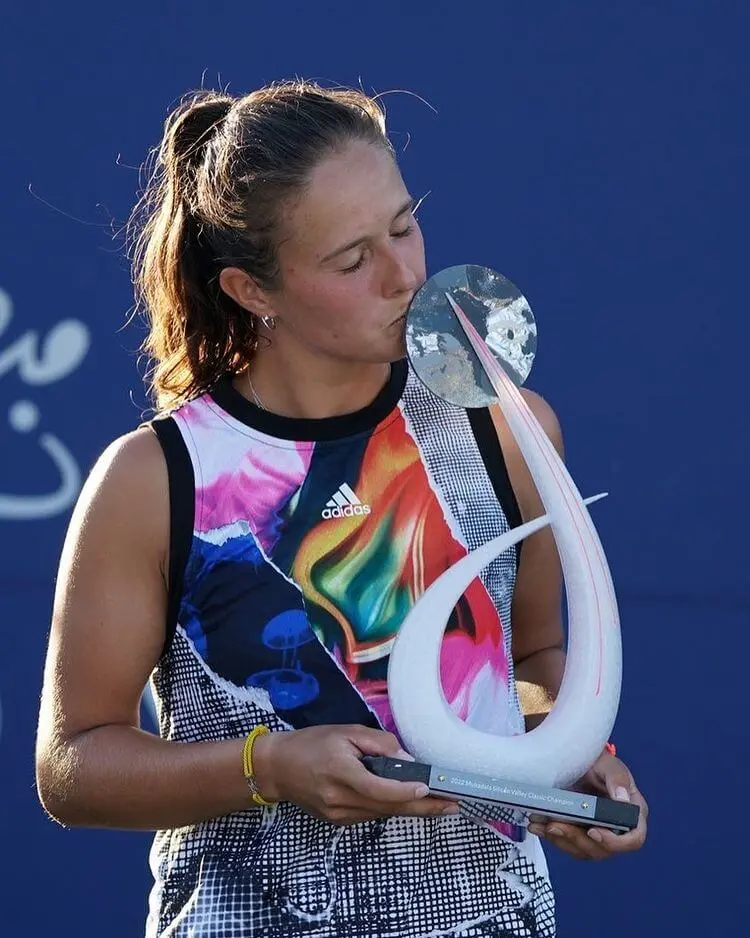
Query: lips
pixel 404 312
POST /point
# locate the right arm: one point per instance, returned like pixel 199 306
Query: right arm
pixel 95 766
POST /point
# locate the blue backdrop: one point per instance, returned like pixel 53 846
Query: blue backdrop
pixel 593 153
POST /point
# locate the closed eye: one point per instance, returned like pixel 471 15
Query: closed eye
pixel 356 266
pixel 403 233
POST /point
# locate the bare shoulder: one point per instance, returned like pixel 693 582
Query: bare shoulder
pixel 546 416
pixel 134 460
pixel 126 494
pixel 543 412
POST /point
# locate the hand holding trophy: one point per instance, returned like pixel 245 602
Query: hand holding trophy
pixel 471 338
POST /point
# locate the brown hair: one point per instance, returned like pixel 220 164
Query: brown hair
pixel 225 169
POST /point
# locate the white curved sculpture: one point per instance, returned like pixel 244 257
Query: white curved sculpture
pixel 566 744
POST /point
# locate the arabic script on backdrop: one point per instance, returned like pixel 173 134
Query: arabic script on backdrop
pixel 41 360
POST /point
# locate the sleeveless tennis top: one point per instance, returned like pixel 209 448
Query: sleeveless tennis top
pixel 297 547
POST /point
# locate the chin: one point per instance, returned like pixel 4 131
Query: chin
pixel 379 353
pixel 381 350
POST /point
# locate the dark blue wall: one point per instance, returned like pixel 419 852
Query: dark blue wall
pixel 594 153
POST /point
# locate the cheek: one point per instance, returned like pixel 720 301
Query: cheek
pixel 308 296
pixel 329 306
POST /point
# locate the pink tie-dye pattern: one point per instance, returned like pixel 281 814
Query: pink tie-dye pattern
pixel 260 484
pixel 461 660
pixel 254 493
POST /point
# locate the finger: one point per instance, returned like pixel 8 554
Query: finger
pixel 357 814
pixel 566 846
pixel 431 806
pixel 617 781
pixel 613 843
pixel 630 840
pixel 620 843
pixel 353 774
pixel 372 742
pixel 421 807
pixel 385 791
pixel 576 839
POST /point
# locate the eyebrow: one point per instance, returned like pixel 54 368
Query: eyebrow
pixel 408 206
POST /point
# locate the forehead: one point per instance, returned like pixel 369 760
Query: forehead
pixel 352 193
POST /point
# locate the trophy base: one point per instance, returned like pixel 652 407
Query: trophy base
pixel 536 801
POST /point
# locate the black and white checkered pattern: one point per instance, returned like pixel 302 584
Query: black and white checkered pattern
pixel 280 872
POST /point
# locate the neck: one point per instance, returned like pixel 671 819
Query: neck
pixel 323 388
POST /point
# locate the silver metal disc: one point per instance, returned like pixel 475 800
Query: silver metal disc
pixel 439 349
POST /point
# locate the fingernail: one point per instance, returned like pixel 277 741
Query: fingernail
pixel 556 831
pixel 621 794
pixel 421 791
pixel 407 757
pixel 595 835
pixel 451 809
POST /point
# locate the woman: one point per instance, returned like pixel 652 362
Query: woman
pixel 254 549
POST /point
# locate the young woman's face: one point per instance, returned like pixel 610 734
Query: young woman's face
pixel 351 260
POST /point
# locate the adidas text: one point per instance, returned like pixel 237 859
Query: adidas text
pixel 347 511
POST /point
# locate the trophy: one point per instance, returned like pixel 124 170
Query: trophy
pixel 471 339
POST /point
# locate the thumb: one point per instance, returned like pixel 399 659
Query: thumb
pixel 618 783
pixel 373 742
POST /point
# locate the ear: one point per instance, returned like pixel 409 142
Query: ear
pixel 245 290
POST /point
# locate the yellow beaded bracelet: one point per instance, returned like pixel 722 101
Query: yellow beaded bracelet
pixel 247 765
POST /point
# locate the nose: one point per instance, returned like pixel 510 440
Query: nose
pixel 400 274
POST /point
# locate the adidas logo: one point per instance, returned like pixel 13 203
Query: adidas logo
pixel 344 504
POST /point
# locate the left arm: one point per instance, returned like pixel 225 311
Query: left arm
pixel 538 647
